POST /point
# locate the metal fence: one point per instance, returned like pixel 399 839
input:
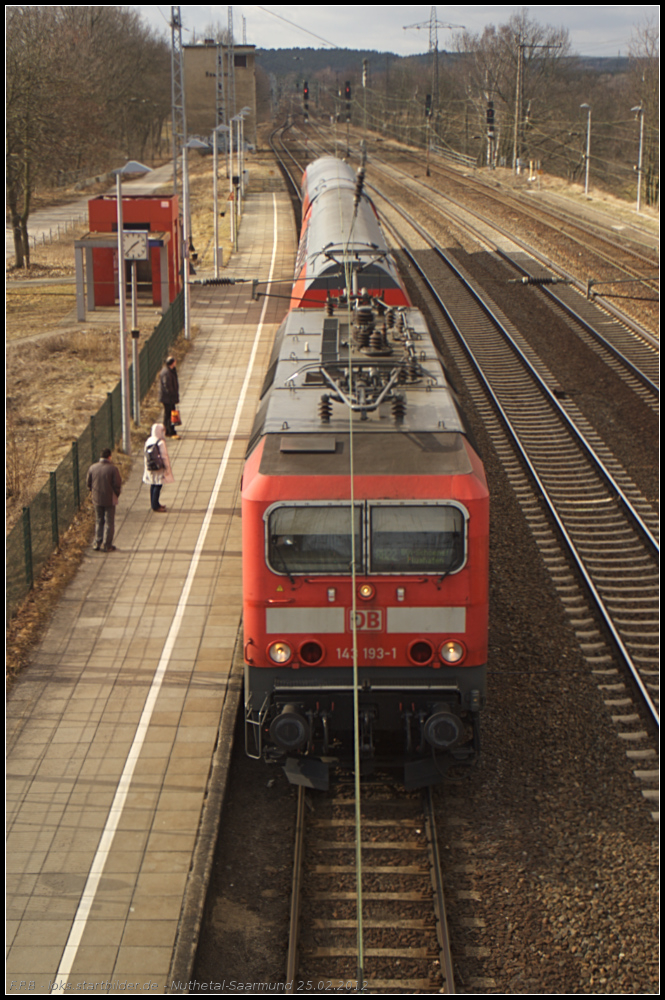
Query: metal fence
pixel 37 535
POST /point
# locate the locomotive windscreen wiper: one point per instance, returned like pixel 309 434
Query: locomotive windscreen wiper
pixel 276 547
pixel 457 558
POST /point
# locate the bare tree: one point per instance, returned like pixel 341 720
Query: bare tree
pixel 216 31
pixel 29 69
pixel 645 86
pixel 521 67
pixel 83 85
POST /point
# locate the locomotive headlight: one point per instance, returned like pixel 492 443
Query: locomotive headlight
pixel 452 652
pixel 280 652
pixel 366 591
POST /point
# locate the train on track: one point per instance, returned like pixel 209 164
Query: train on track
pixel 365 518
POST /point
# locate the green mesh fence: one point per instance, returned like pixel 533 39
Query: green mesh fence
pixel 85 449
pixel 33 540
pixel 67 493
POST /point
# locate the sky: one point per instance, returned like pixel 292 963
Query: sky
pixel 594 30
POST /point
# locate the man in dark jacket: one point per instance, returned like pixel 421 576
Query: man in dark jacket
pixel 169 395
pixel 105 483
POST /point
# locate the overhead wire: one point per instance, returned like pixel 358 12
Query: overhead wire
pixel 348 279
pixel 293 24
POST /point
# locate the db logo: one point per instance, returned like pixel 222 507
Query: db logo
pixel 366 620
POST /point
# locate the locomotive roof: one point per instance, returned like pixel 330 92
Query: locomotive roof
pixel 311 359
pixel 384 454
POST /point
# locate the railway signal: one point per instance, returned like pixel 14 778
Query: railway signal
pixel 305 100
pixel 428 119
pixel 491 135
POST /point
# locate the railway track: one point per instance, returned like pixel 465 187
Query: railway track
pixel 622 272
pixel 601 547
pixel 624 342
pixel 618 260
pixel 291 169
pixel 612 257
pixel 610 526
pixel 405 944
pixel 597 533
pixel 540 843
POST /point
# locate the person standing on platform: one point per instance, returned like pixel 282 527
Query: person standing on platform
pixel 154 473
pixel 169 394
pixel 105 484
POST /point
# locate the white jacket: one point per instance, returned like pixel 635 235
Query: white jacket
pixel 160 476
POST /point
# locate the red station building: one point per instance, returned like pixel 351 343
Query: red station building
pixel 156 215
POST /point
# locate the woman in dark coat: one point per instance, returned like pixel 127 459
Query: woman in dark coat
pixel 169 394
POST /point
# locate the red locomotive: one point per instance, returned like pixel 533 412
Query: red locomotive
pixel 365 534
pixel 341 233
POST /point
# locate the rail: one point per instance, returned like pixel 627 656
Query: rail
pixel 400 868
pixel 568 488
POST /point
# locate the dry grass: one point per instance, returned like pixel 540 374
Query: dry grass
pixel 53 302
pixel 22 465
pixel 53 386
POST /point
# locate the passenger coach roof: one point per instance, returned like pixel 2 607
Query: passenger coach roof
pixel 325 172
pixel 333 228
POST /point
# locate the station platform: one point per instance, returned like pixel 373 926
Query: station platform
pixel 116 729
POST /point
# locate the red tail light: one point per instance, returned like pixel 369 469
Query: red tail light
pixel 420 652
pixel 311 652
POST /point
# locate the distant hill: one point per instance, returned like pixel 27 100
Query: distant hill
pixel 602 64
pixel 306 62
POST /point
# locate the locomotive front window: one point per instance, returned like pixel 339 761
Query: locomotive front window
pixel 413 539
pixel 314 539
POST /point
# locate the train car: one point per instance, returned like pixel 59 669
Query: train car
pixel 365 516
pixel 341 242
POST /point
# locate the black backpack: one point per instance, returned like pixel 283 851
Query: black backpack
pixel 153 457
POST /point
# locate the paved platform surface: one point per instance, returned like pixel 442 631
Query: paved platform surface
pixel 112 728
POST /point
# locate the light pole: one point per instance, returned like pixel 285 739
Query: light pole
pixel 236 186
pixel 131 167
pixel 239 119
pixel 192 144
pixel 241 114
pixel 640 113
pixel 588 148
pixel 215 138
